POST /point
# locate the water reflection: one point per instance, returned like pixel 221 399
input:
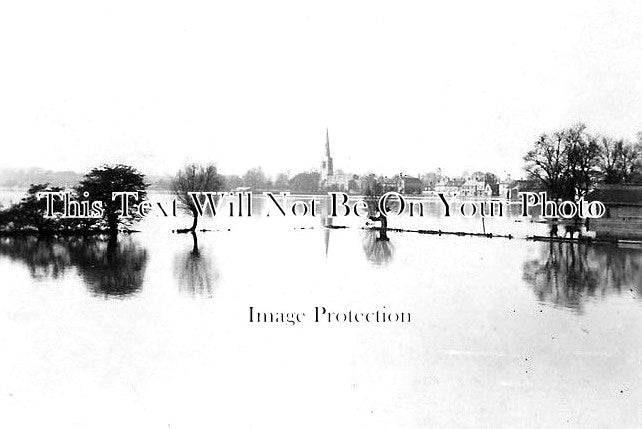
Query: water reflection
pixel 108 266
pixel 44 258
pixel 327 223
pixel 196 272
pixel 379 251
pixel 566 274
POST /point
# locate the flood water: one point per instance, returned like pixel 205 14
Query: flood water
pixel 152 330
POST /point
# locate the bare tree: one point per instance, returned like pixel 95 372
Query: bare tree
pixel 545 163
pixel 582 161
pixel 195 178
pixel 565 162
pixel 620 161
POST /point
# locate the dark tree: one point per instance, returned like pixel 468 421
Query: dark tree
pixel 582 161
pixel 102 181
pixel 545 162
pixel 195 178
pixel 29 213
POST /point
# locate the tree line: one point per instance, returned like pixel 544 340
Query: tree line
pixel 29 215
pixel 570 162
pixel 256 179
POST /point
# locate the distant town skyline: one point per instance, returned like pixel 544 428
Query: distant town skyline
pixel 464 86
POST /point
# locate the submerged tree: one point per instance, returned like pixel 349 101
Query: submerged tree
pixel 101 182
pixel 373 192
pixel 195 178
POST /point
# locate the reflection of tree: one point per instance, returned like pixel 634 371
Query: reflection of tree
pixel 195 272
pixel 110 267
pixel 107 266
pixel 565 274
pixel 44 257
pixel 378 251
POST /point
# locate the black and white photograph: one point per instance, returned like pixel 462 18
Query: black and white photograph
pixel 338 214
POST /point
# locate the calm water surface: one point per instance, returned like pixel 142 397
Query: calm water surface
pixel 152 330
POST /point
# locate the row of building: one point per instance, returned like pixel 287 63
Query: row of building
pixel 476 185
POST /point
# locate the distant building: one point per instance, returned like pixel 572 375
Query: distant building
pixel 389 184
pixel 447 186
pixel 478 176
pixel 512 189
pixel 409 185
pixel 473 188
pixel 430 180
pixel 340 181
pixel 492 190
pixel 503 190
pixel 623 217
pixel 467 187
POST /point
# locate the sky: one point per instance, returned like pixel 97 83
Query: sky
pixel 402 86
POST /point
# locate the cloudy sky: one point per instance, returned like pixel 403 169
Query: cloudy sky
pixel 402 86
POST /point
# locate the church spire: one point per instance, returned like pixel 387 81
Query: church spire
pixel 327 143
pixel 326 164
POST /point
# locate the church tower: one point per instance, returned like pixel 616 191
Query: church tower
pixel 326 164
